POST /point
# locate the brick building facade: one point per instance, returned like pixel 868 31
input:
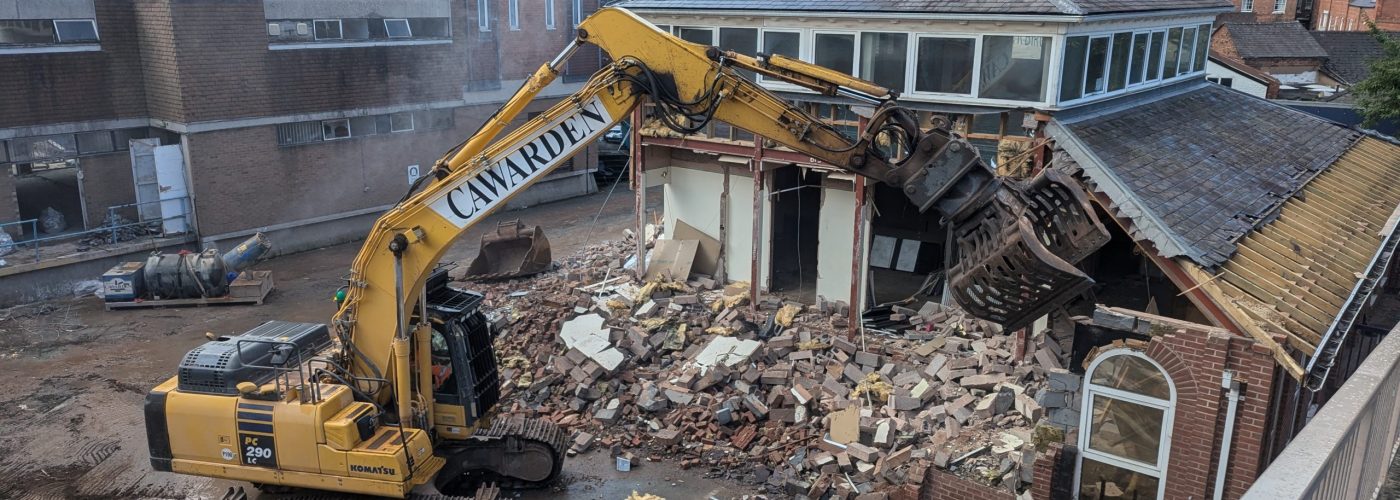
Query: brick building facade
pixel 300 117
pixel 1353 15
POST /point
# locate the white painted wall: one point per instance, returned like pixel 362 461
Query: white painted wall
pixel 834 241
pixel 694 195
pixel 1299 78
pixel 1240 81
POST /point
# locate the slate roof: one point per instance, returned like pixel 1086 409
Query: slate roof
pixel 1053 7
pixel 1349 53
pixel 1285 39
pixel 1196 166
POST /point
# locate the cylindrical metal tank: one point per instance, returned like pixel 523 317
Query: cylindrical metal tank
pixel 184 276
pixel 246 254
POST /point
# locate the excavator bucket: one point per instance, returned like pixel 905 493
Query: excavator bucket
pixel 1017 258
pixel 513 250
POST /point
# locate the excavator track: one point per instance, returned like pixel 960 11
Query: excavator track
pixel 516 453
pixel 487 491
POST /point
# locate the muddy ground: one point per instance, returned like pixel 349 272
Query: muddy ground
pixel 75 375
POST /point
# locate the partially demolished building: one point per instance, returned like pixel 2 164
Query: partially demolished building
pixel 1251 242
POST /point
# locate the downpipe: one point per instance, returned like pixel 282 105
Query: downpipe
pixel 1235 388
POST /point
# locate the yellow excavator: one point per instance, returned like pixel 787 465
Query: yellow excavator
pixel 398 394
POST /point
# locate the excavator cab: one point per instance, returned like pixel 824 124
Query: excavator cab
pixel 513 250
pixel 466 380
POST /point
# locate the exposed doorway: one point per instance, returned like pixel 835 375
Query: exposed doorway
pixel 906 250
pixel 57 185
pixel 796 197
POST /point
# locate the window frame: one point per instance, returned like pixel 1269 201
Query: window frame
pixel 339 28
pixel 714 32
pixel 1086 417
pixel 1133 58
pixel 513 14
pixel 549 14
pixel 1187 57
pixel 411 125
pixel 387 32
pixel 1147 81
pixel 908 54
pixel 911 69
pixel 1246 5
pixel 577 8
pixel 349 133
pixel 1107 58
pixel 58 34
pixel 1280 6
pixel 483 15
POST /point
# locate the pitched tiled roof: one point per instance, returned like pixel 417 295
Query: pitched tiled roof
pixel 1066 7
pixel 1285 39
pixel 1196 166
pixel 1349 53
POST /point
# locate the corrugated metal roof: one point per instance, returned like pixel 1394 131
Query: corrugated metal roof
pixel 1299 274
pixel 1060 7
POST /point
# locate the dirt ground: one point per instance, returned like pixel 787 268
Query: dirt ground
pixel 75 375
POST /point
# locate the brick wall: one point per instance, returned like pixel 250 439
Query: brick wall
pixel 9 202
pixel 1054 473
pixel 156 42
pixel 1263 12
pixel 78 86
pixel 107 182
pixel 1222 44
pixel 941 485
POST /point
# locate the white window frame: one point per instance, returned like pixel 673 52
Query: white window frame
pixel 97 37
pixel 855 47
pixel 1086 417
pixel 549 14
pixel 513 14
pixel 1246 5
pixel 340 28
pixel 1161 62
pixel 348 131
pixel 714 32
pixel 483 15
pixel 1187 56
pixel 577 12
pixel 406 25
pixel 1107 59
pixel 1280 6
pixel 1132 58
pixel 411 124
pixel 802 47
pixel 912 78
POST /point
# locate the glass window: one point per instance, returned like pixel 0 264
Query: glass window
pixel 1154 56
pixel 835 51
pixel 363 126
pixel 1188 50
pixel 1099 480
pixel 1280 5
pixel 1135 70
pixel 483 15
pixel 328 29
pixel 95 142
pixel 21 31
pixel 397 28
pixel 76 31
pixel 4 154
pixel 1118 63
pixel 382 124
pixel 1132 374
pixel 549 14
pixel 1202 46
pixel 1173 52
pixel 1247 6
pixel 702 36
pixel 354 29
pixel 1014 67
pixel 1126 429
pixel 782 42
pixel 1094 81
pixel 335 129
pixel 883 57
pixel 43 147
pixel 577 12
pixel 401 122
pixel 944 65
pixel 1072 75
pixel 740 40
pixel 430 27
pixel 513 14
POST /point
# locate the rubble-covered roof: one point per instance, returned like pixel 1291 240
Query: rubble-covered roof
pixel 1349 53
pixel 1053 7
pixel 1285 39
pixel 1196 166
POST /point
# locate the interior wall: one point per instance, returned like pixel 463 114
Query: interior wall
pixel 834 244
pixel 693 195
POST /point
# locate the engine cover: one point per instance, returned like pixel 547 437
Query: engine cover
pixel 256 356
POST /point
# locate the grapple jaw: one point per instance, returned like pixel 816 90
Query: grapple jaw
pixel 513 250
pixel 1017 255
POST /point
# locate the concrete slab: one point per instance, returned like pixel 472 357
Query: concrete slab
pixel 587 334
pixel 728 351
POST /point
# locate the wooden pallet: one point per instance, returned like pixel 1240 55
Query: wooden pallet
pixel 251 287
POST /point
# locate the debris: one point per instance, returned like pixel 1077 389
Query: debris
pixel 671 259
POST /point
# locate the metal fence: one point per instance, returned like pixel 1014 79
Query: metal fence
pixel 114 229
pixel 1345 450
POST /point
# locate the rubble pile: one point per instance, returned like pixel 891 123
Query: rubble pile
pixel 773 394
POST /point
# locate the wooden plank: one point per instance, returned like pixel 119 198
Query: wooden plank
pixel 1290 325
pixel 1260 259
pixel 1248 324
pixel 1288 280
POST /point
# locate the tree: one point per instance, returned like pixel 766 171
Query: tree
pixel 1378 96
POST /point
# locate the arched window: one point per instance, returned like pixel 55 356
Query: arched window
pixel 1125 427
